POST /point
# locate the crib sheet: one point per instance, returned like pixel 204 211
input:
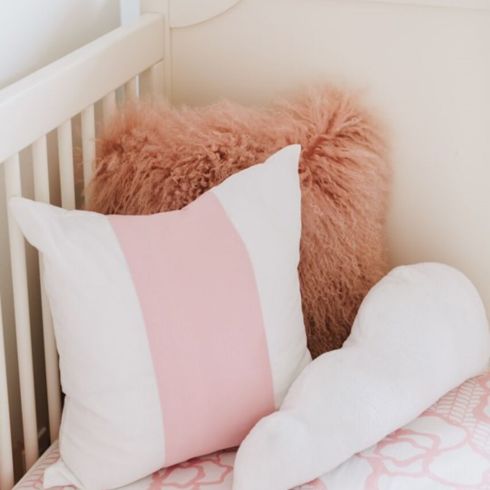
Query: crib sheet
pixel 446 448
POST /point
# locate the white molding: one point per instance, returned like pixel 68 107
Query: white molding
pixel 180 13
pixel 184 13
pixel 466 4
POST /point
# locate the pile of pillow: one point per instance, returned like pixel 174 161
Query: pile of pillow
pixel 178 312
pixel 154 159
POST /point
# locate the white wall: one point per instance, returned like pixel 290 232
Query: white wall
pixel 32 34
pixel 426 70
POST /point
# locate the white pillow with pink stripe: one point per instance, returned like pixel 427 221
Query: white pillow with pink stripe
pixel 176 331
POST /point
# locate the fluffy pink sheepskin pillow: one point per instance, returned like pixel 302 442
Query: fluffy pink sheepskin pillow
pixel 153 159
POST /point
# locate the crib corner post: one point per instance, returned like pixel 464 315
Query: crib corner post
pixel 6 456
pixel 161 73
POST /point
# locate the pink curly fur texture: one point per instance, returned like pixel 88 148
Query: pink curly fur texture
pixel 154 158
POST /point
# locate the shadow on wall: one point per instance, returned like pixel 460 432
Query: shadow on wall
pixel 425 69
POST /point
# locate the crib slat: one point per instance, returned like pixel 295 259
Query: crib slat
pixel 6 459
pixel 146 84
pixel 22 321
pixel 152 82
pixel 109 105
pixel 51 365
pixel 40 169
pixel 131 90
pixel 88 142
pixel 65 157
pixel 157 72
pixel 41 193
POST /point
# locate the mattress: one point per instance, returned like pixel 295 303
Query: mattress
pixel 446 448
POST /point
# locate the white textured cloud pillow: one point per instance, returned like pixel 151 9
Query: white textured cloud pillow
pixel 420 332
pixel 176 331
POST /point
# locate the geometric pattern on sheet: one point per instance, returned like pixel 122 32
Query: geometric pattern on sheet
pixel 446 448
pixel 212 472
pixel 427 454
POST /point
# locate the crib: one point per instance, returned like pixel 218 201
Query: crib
pixel 123 65
pixel 52 116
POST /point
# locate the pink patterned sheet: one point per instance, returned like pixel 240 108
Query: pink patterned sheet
pixel 446 448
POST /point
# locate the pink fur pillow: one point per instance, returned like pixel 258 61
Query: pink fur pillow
pixel 153 159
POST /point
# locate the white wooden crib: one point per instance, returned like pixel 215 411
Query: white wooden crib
pixel 125 64
pixel 49 116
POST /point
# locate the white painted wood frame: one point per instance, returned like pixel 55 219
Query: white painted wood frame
pixel 30 109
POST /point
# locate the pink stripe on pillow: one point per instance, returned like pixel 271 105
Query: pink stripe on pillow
pixel 199 298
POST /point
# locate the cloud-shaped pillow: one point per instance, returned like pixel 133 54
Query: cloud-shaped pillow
pixel 420 332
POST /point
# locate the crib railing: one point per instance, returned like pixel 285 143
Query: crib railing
pixel 122 65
